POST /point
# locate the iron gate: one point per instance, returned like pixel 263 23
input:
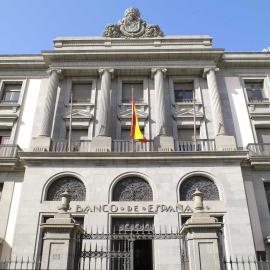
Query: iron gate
pixel 115 251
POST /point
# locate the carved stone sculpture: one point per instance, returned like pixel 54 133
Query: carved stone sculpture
pixel 132 26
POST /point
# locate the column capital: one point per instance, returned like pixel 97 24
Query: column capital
pixel 154 71
pixel 58 71
pixel 208 69
pixel 110 70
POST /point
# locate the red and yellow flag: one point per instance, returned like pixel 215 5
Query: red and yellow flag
pixel 135 132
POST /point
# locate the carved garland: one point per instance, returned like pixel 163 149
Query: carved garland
pixel 206 186
pixel 132 189
pixel 74 186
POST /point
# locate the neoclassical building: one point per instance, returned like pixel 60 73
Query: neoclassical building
pixel 65 118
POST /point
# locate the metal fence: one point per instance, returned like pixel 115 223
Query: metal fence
pixel 9 150
pixel 117 250
pixel 245 263
pixel 201 145
pixel 128 146
pixel 20 264
pixel 76 146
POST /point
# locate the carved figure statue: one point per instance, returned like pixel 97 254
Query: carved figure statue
pixel 132 26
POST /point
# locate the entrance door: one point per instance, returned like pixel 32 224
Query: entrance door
pixel 143 255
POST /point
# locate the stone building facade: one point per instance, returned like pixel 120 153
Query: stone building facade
pixel 113 182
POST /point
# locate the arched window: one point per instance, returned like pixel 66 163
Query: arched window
pixel 132 189
pixel 74 186
pixel 205 185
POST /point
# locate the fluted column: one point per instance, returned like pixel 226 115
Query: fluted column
pixel 47 119
pixel 105 105
pixel 218 121
pixel 159 75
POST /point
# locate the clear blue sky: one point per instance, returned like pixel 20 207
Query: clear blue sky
pixel 29 26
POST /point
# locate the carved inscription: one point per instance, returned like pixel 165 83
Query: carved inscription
pixel 150 208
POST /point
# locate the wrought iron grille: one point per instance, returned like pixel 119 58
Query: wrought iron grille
pixel 74 186
pixel 115 251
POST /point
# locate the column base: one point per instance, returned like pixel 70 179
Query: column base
pixel 101 144
pixel 163 143
pixel 225 143
pixel 40 144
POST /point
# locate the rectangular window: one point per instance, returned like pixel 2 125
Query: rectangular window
pixel 263 135
pixel 255 91
pixel 137 92
pixel 81 92
pixel 188 134
pixel 78 134
pixel 5 136
pixel 1 189
pixel 183 92
pixel 186 140
pixel 11 93
pixel 267 193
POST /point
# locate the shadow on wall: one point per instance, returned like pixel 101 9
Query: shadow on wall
pixel 5 250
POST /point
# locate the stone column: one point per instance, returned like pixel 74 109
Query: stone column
pixel 49 106
pixel 43 141
pixel 60 238
pixel 218 121
pixel 201 233
pixel 105 104
pixel 223 141
pixel 159 75
pixel 162 142
pixel 103 141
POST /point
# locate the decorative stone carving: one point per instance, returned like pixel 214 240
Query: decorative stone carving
pixel 206 186
pixel 74 186
pixel 132 26
pixel 111 30
pixel 132 189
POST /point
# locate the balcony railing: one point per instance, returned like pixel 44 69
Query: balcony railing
pixel 8 101
pixel 75 146
pixel 201 145
pixel 258 100
pixel 259 149
pixel 184 100
pixel 9 150
pixel 126 146
pixel 136 146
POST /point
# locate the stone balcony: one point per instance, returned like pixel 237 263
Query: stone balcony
pixel 8 151
pixel 259 149
pixel 136 146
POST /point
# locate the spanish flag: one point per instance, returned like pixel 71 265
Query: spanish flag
pixel 135 132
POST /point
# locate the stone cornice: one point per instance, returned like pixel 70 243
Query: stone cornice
pixel 111 157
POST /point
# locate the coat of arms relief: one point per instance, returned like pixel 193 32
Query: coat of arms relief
pixel 132 26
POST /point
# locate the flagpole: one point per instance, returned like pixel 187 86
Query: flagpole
pixel 132 116
pixel 70 121
pixel 195 139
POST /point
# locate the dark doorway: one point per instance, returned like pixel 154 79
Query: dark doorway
pixel 143 255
